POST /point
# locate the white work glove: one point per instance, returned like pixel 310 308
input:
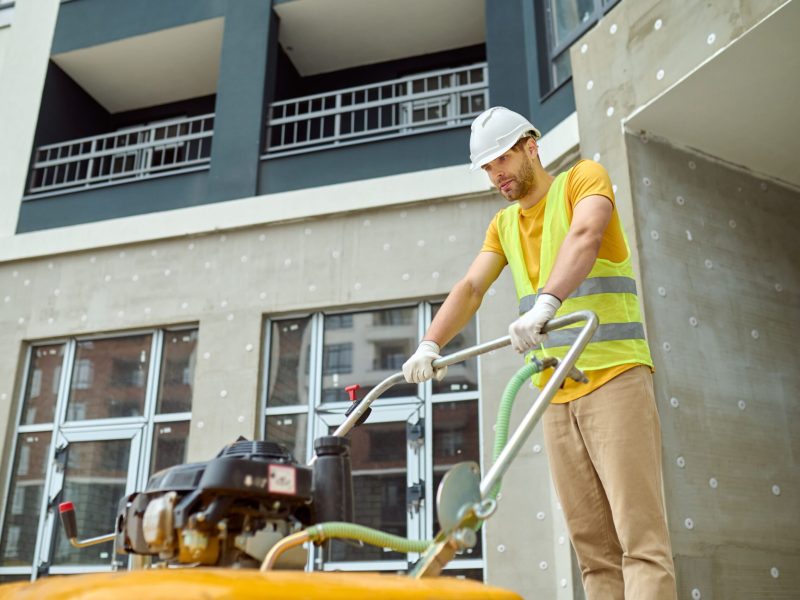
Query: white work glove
pixel 419 367
pixel 526 332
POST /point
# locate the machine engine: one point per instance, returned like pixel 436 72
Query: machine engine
pixel 230 510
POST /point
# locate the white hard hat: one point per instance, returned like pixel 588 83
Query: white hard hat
pixel 494 132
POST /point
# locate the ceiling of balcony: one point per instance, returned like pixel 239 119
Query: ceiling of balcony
pixel 740 105
pixel 321 36
pixel 148 70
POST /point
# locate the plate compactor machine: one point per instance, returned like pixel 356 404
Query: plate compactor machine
pixel 235 526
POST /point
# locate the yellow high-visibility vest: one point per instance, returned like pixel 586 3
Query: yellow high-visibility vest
pixel 609 290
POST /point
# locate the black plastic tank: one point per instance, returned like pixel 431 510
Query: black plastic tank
pixel 333 480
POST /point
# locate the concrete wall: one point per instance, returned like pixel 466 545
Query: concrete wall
pixel 721 270
pixel 229 281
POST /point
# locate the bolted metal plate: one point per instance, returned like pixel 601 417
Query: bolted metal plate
pixel 460 488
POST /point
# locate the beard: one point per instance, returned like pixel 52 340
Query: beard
pixel 523 182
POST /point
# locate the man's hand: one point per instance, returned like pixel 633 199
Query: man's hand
pixel 419 367
pixel 526 332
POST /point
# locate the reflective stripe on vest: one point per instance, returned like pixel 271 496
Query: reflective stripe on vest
pixel 606 332
pixel 593 285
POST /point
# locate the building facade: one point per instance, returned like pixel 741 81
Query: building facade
pixel 216 215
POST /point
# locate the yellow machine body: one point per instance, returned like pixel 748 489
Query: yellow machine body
pixel 219 584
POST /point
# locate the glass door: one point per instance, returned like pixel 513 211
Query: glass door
pixel 93 469
pixel 387 454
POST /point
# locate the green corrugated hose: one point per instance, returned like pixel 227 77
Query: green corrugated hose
pixel 504 413
pixel 374 537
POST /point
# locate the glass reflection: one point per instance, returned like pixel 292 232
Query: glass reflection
pixel 177 372
pixel 41 389
pixel 374 345
pixel 379 488
pixel 288 365
pixel 290 431
pixel 169 445
pixel 463 376
pixel 24 499
pixel 455 439
pixel 109 378
pixel 95 475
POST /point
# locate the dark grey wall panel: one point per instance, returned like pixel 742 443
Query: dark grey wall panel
pixel 84 23
pixel 364 161
pixel 67 112
pixel 251 27
pixel 513 54
pixel 135 198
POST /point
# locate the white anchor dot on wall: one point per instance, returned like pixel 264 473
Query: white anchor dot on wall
pixel 435 274
pixel 335 254
pixel 501 548
pixel 543 565
pixel 540 516
pixel 421 243
pixel 357 285
pixel 243 258
pixel 610 111
pixel 662 291
pixel 240 419
pixel 249 348
pixel 755 334
pixel 711 38
pixel 666 346
pixel 312 288
pixel 262 238
pixel 589 85
pixel 614 188
pixel 692 165
pixel 613 29
pixel 681 462
pixel 688 523
pixel 387 247
pixel 709 264
pixel 451 238
pixel 596 157
pixel 367 223
pixel 654 234
pixel 680 200
pixel 223 393
pixel 287 262
pixel 774 572
pixel 262 295
pixel 713 483
pixel 184 305
pixel 674 402
pixel 405 276
pixel 689 237
pixel 584 48
pixel 693 321
pixel 696 595
pixel 537 448
pixel 190 246
pixel 778 287
pixel 776 490
pixel 660 74
pixel 646 181
pixel 200 424
pixel 657 25
pixel 742 404
pixel 206 355
pixel 307 231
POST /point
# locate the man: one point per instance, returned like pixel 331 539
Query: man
pixel 567 251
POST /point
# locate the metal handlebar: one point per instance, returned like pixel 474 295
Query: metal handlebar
pixel 566 367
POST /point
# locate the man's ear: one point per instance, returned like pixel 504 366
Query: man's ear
pixel 531 147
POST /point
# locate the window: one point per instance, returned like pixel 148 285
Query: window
pixel 91 439
pixel 310 359
pixel 565 22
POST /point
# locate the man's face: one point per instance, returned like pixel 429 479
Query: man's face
pixel 512 173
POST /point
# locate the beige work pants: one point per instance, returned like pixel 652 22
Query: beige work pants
pixel 605 458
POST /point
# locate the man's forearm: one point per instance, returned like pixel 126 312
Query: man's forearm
pixel 457 310
pixel 575 259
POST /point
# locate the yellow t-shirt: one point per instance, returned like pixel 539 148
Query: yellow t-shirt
pixel 587 178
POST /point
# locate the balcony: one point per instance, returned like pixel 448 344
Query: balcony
pixel 421 103
pixel 136 153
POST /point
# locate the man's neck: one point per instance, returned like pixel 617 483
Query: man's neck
pixel 543 181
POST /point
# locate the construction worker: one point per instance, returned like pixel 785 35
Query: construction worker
pixel 561 236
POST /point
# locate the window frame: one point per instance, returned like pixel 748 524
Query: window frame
pixel 425 398
pixel 58 427
pixel 555 51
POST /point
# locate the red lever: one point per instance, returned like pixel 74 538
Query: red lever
pixel 65 506
pixel 351 391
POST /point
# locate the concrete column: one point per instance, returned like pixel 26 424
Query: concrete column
pixel 251 35
pixel 22 78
